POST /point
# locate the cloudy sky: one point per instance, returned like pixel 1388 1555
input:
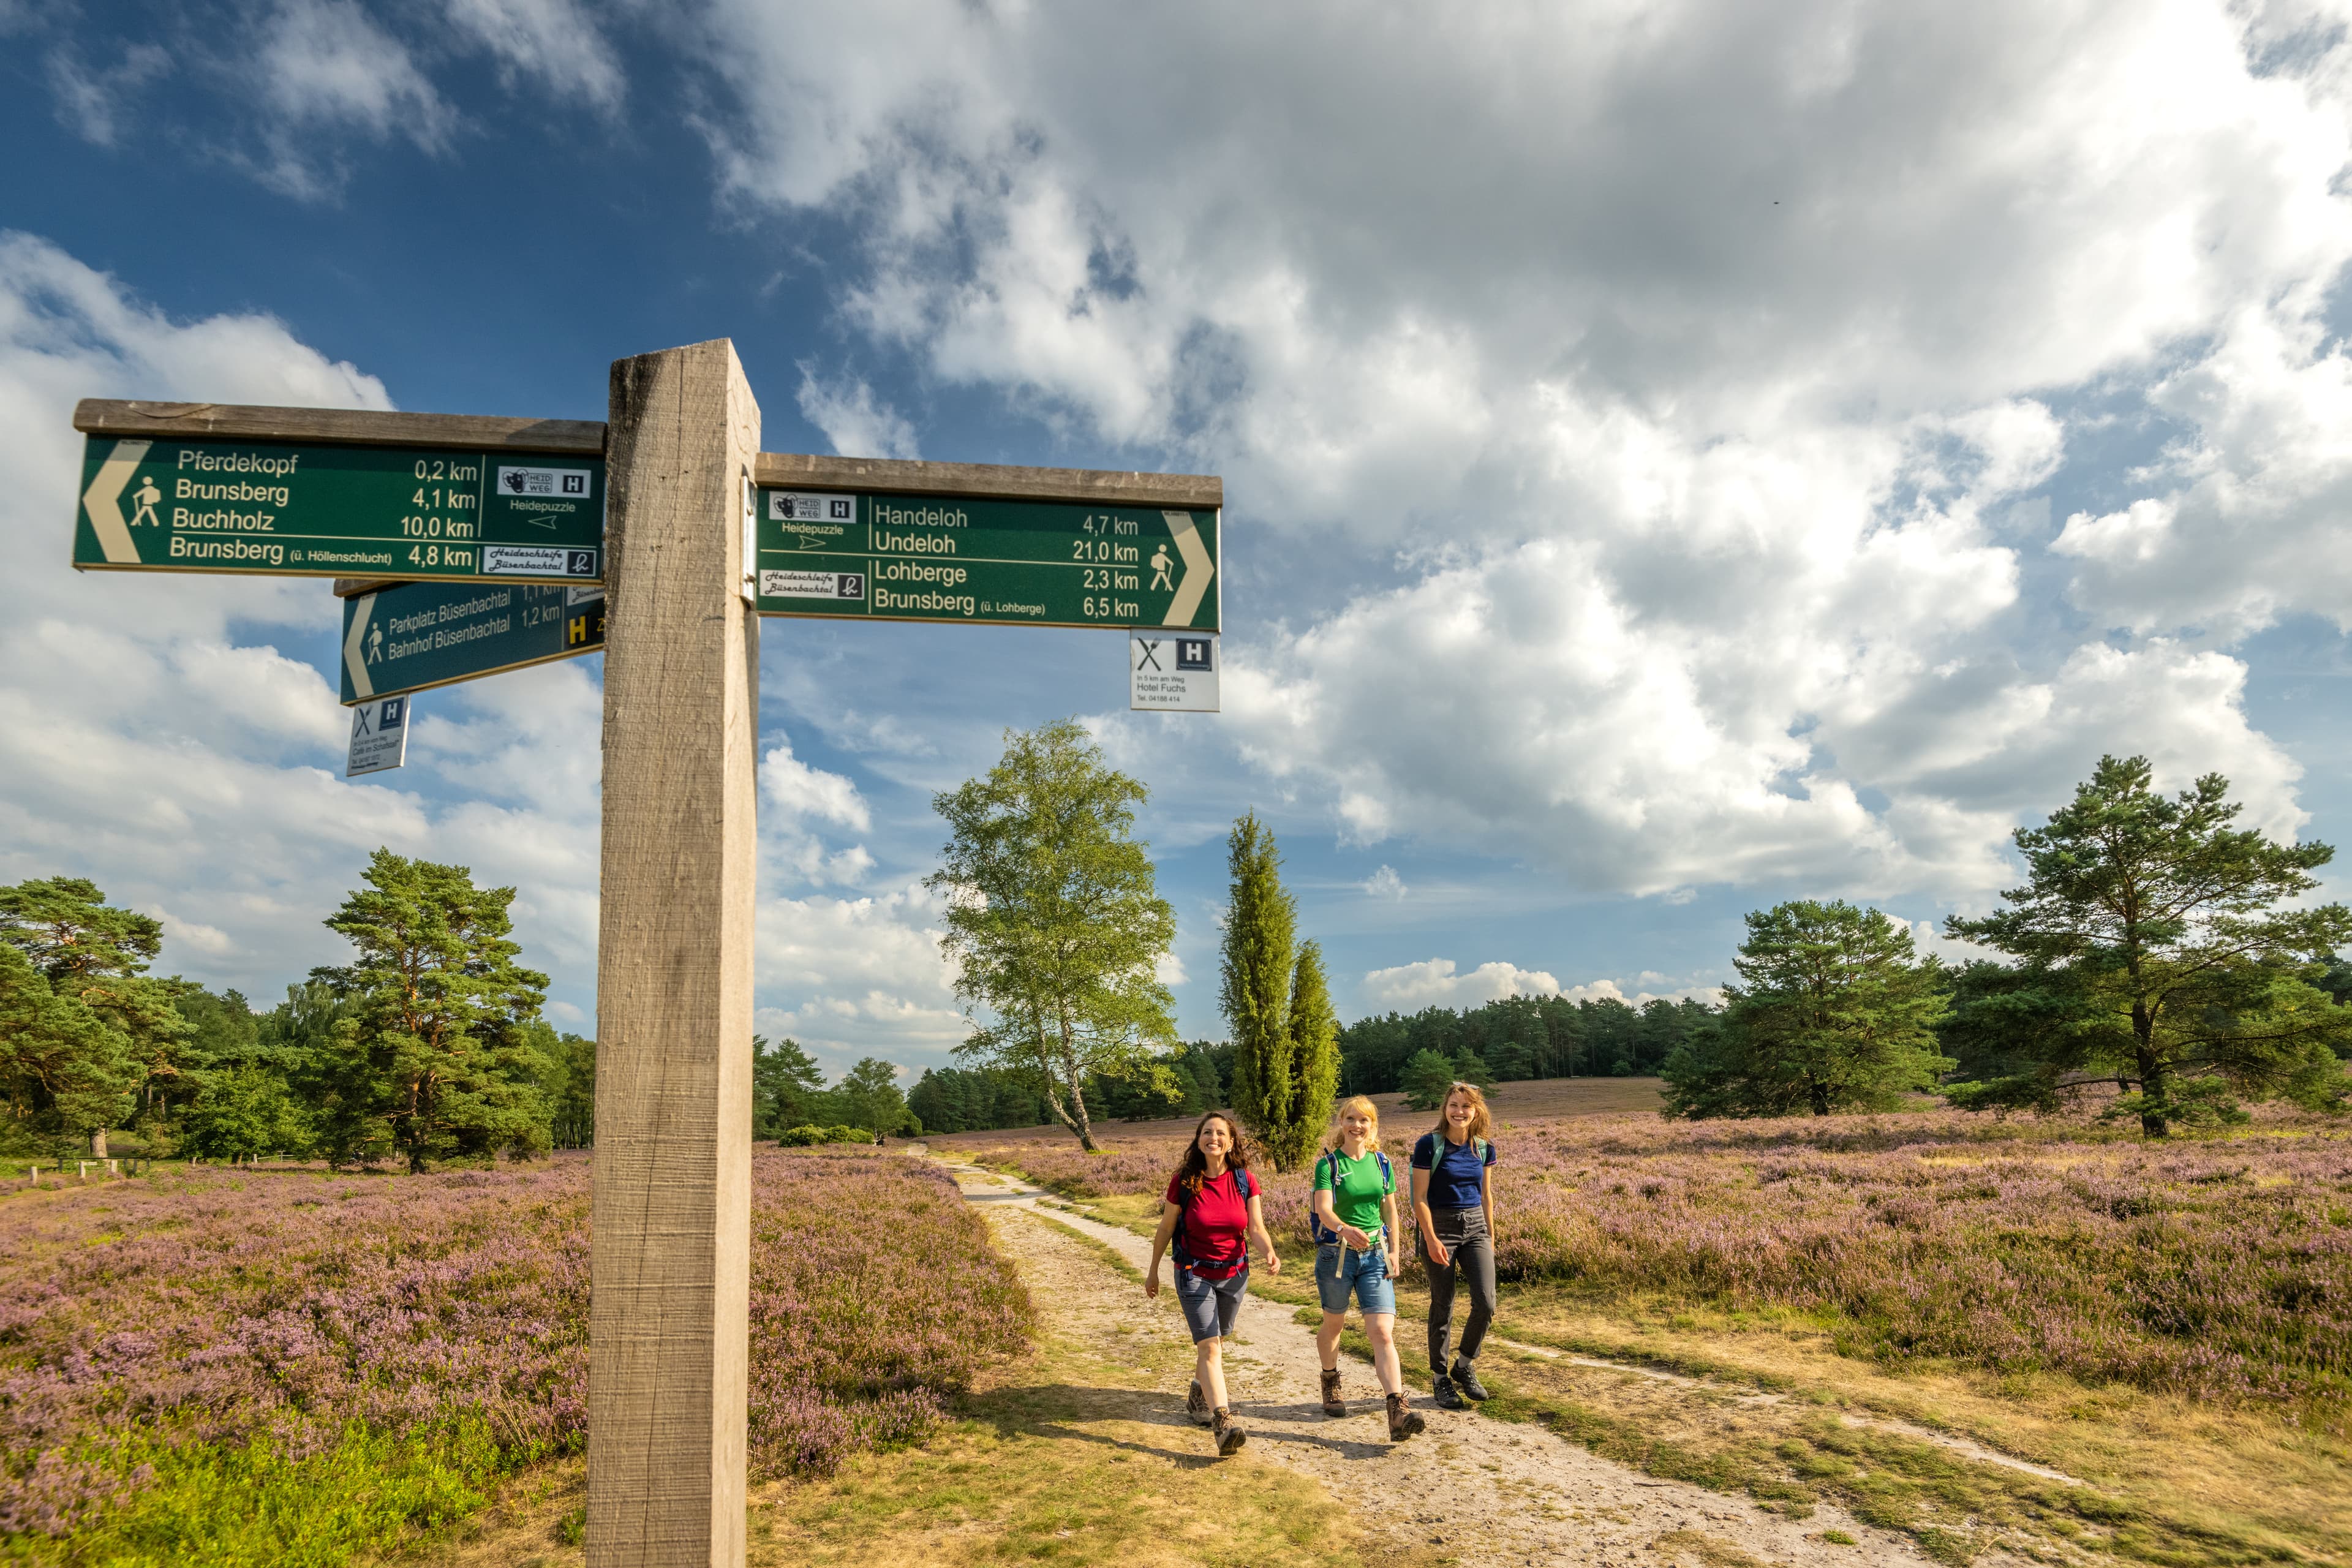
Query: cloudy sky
pixel 1679 456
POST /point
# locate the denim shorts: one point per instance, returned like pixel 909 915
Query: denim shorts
pixel 1341 1272
pixel 1211 1305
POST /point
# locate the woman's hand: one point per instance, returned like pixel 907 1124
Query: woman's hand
pixel 1356 1240
pixel 1273 1264
pixel 1436 1250
pixel 1151 1283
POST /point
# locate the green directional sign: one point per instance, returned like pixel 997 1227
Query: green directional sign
pixel 994 563
pixel 315 510
pixel 415 634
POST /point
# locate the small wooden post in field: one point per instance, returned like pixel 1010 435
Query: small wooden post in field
pixel 671 1255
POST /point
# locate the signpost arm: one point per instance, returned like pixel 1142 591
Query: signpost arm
pixel 671 1255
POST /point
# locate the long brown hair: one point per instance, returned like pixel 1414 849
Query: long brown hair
pixel 1481 1121
pixel 1193 1169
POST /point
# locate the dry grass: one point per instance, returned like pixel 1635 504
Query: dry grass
pixel 1766 1407
pixel 1046 1463
pixel 2166 1479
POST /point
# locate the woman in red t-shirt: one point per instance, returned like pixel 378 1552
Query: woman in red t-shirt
pixel 1210 1211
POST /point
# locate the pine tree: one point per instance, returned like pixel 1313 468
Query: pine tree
pixel 95 1025
pixel 1833 1012
pixel 433 1060
pixel 1255 981
pixel 2163 951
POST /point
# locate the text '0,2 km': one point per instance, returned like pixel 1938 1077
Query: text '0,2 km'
pixel 317 511
pixel 999 563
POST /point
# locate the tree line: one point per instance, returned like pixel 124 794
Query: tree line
pixel 2156 953
pixel 428 1045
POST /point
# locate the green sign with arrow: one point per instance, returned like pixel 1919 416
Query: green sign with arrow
pixel 413 636
pixel 991 563
pixel 317 510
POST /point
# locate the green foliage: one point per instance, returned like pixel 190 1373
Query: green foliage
pixel 433 1059
pixel 1286 1039
pixel 82 1025
pixel 260 1505
pixel 2153 951
pixel 969 1100
pixel 571 1096
pixel 786 1080
pixel 808 1137
pixel 1428 1075
pixel 1523 1038
pixel 1833 1012
pixel 246 1112
pixel 1053 921
pixel 1426 1078
pixel 1314 1056
pixel 870 1096
pixel 1254 984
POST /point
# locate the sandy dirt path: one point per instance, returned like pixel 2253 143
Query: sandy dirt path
pixel 1471 1491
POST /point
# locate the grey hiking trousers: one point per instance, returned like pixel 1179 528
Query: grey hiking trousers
pixel 1470 1257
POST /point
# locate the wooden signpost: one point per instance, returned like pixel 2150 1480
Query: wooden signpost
pixel 689 530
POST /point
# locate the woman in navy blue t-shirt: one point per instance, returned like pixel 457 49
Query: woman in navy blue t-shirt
pixel 1453 1205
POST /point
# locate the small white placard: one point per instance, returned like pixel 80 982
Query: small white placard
pixel 811 505
pixel 575 484
pixel 1171 672
pixel 537 561
pixel 379 736
pixel 813 584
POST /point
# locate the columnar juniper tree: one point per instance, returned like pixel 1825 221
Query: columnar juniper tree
pixel 1053 921
pixel 2155 956
pixel 1286 1041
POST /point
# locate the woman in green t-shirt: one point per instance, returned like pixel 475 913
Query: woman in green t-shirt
pixel 1355 1225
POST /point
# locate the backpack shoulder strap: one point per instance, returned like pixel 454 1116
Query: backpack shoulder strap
pixel 1248 1184
pixel 1388 1172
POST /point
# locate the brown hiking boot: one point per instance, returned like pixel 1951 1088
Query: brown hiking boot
pixel 1333 1406
pixel 1196 1405
pixel 1404 1420
pixel 1229 1435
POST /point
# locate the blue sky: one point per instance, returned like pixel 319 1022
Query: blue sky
pixel 1673 463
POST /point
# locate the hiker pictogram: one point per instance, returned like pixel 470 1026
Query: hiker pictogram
pixel 146 495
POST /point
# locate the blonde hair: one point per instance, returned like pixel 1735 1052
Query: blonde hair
pixel 1332 1138
pixel 1481 1121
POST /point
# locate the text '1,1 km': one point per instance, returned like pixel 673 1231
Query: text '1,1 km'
pixel 979 561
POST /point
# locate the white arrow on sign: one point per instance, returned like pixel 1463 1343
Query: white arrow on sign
pixel 354 657
pixel 102 500
pixel 1198 569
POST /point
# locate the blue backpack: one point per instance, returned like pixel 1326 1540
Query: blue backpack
pixel 1247 1187
pixel 1325 1237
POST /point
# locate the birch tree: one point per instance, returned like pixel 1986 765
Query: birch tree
pixel 1055 922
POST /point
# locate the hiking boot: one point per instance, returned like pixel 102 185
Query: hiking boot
pixel 1466 1378
pixel 1196 1405
pixel 1404 1420
pixel 1229 1435
pixel 1333 1406
pixel 1442 1388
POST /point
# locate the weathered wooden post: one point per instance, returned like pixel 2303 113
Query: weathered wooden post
pixel 670 1259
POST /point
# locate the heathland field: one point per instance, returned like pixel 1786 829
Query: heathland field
pixel 1844 1308
pixel 292 1367
pixel 1927 1334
